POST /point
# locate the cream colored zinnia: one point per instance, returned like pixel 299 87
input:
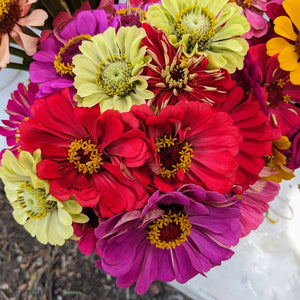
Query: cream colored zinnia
pixel 42 215
pixel 210 27
pixel 107 71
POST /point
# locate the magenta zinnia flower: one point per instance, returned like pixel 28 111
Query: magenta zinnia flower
pixel 53 66
pixel 194 145
pixel 173 78
pixel 83 152
pixel 176 236
pixel 18 110
pixel 293 153
pixel 278 92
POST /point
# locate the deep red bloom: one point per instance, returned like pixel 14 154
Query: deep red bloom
pixel 194 145
pixel 255 130
pixel 172 77
pixel 83 152
pixel 278 92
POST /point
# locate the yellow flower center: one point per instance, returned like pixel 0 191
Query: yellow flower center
pixel 170 230
pixel 199 23
pixel 63 61
pixel 243 3
pixel 132 11
pixel 34 201
pixel 114 74
pixel 10 13
pixel 85 156
pixel 174 155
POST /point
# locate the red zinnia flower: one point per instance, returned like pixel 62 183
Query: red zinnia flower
pixel 278 92
pixel 194 145
pixel 83 150
pixel 173 78
pixel 255 130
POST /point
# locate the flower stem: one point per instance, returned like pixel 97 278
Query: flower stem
pixel 17 52
pixel 17 66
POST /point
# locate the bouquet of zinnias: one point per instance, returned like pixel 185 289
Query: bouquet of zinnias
pixel 153 133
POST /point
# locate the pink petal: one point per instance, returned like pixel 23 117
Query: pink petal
pixel 4 51
pixel 36 18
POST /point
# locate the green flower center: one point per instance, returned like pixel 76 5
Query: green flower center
pixel 10 13
pixel 34 201
pixel 170 230
pixel 114 74
pixel 174 155
pixel 199 23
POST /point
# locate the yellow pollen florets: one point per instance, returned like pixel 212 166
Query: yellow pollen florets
pixel 85 156
pixel 67 68
pixel 33 201
pixel 184 150
pixel 179 220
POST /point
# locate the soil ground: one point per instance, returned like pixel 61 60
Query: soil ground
pixel 32 271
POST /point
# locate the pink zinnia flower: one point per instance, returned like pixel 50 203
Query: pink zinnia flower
pixel 18 110
pixel 176 236
pixel 53 68
pixel 13 15
pixel 83 152
pixel 255 203
pixel 278 92
pixel 254 10
pixel 173 78
pixel 194 145
pixel 293 153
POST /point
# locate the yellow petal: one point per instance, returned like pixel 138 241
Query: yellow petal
pixel 295 75
pixel 276 45
pixel 288 58
pixel 284 27
pixel 292 8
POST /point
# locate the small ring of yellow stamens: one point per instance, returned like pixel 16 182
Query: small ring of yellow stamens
pixel 132 11
pixel 34 201
pixel 198 22
pixel 114 74
pixel 185 156
pixel 80 150
pixel 179 219
pixel 67 68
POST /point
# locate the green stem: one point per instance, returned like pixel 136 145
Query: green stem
pixel 17 66
pixel 17 52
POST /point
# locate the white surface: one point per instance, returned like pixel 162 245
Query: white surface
pixel 266 265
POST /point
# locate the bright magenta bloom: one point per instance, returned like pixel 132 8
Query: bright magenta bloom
pixel 83 151
pixel 194 145
pixel 176 236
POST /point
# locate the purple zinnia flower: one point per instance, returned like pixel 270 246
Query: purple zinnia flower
pixel 293 153
pixel 17 109
pixel 53 63
pixel 176 236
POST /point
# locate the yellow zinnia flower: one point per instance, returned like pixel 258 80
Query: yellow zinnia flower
pixel 42 215
pixel 107 71
pixel 288 44
pixel 210 27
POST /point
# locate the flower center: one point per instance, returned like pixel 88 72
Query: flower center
pixel 131 16
pixel 85 156
pixel 114 74
pixel 10 13
pixel 34 201
pixel 199 23
pixel 174 155
pixel 242 3
pixel 170 230
pixel 63 61
pixel 275 96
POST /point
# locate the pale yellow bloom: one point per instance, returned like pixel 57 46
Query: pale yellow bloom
pixel 41 214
